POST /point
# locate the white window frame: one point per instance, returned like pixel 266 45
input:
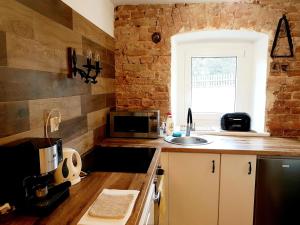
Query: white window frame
pixel 244 53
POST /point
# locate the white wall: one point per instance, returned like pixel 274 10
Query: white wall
pixel 99 12
pixel 260 86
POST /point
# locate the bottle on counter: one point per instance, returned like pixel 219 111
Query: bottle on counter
pixel 169 124
pixel 163 129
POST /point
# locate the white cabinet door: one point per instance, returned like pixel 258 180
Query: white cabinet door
pixel 237 185
pixel 193 188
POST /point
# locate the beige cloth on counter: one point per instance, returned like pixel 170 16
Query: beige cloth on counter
pixel 109 206
pixel 86 219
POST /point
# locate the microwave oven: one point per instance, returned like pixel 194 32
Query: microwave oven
pixel 136 124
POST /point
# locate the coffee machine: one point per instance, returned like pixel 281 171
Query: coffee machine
pixel 27 167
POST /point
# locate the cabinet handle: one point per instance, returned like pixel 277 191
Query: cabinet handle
pixel 250 168
pixel 213 166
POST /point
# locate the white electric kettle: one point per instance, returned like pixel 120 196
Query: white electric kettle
pixel 69 169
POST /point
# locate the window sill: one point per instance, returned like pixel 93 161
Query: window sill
pixel 231 133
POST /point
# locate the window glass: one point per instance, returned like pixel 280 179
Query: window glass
pixel 213 84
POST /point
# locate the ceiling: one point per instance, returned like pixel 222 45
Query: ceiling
pixel 138 2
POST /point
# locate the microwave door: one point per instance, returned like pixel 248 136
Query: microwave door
pixel 134 124
pixel 131 124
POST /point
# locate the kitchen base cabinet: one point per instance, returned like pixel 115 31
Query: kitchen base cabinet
pixel 210 189
pixel 193 188
pixel 237 187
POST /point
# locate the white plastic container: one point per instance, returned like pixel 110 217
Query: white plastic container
pixel 169 124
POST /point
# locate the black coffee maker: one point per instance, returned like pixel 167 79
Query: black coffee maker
pixel 27 168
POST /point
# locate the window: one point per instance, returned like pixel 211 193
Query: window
pixel 217 72
pixel 214 77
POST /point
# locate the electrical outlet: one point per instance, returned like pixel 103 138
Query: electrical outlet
pixel 54 124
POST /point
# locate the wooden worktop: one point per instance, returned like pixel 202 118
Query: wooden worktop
pixel 83 194
pixel 221 144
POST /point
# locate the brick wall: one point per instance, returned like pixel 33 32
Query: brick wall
pixel 143 68
pixel 34 36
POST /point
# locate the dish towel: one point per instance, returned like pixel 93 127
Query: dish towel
pixel 112 207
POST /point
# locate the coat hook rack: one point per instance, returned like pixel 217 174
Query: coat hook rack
pixel 88 71
pixel 289 37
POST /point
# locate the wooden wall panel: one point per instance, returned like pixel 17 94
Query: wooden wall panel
pixel 106 55
pixel 16 18
pixel 34 36
pixel 82 143
pixel 71 129
pixel 104 85
pixel 97 118
pixel 110 57
pixel 83 26
pixel 100 133
pixel 54 9
pixel 19 84
pixel 54 35
pixel 3 53
pixel 88 45
pixel 14 118
pixel 69 107
pixel 30 54
pixel 27 134
pixel 90 103
pixel 111 100
pixel 108 71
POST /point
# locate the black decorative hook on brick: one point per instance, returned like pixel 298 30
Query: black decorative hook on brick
pixel 156 37
pixel 88 71
pixel 284 20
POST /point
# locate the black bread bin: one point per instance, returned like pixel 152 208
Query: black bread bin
pixel 238 121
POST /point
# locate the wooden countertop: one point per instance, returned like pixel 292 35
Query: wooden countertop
pixel 83 194
pixel 221 144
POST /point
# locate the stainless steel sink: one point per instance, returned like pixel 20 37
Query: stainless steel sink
pixel 190 140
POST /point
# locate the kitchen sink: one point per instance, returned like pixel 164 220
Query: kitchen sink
pixel 186 140
pixel 120 159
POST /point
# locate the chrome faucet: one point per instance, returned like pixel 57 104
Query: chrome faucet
pixel 189 125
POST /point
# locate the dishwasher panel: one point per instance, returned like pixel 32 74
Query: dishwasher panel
pixel 277 192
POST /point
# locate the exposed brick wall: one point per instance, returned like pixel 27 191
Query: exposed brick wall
pixel 143 68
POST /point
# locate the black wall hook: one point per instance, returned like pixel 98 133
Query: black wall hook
pixel 156 37
pixel 288 33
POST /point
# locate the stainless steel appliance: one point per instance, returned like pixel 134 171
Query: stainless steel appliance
pixel 147 217
pixel 158 181
pixel 27 168
pixel 142 124
pixel 151 212
pixel 277 193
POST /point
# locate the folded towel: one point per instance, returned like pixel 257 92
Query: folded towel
pixel 112 207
